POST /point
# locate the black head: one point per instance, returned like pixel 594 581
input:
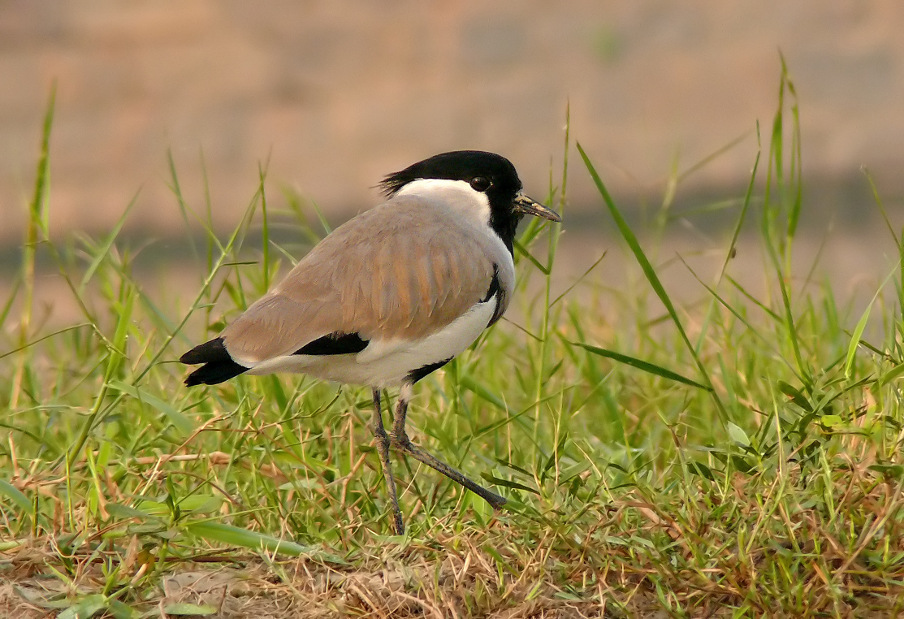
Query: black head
pixel 486 173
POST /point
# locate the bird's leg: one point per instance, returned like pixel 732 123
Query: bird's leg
pixel 400 440
pixel 383 443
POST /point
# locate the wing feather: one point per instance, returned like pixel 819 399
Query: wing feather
pixel 400 270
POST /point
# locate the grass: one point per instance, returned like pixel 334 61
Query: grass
pixel 739 455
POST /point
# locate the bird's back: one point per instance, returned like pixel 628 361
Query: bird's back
pixel 401 270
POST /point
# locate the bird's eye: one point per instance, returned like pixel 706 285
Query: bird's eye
pixel 480 183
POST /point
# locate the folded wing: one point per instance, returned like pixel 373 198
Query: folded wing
pixel 395 271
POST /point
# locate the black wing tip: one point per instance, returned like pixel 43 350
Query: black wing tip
pixel 218 364
pixel 191 380
pixel 213 350
pixel 189 358
pixel 214 373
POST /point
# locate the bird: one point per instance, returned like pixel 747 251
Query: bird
pixel 391 295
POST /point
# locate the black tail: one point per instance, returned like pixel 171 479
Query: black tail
pixel 218 364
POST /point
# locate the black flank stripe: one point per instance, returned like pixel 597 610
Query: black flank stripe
pixel 334 344
pixel 416 375
pixel 495 291
pixel 494 285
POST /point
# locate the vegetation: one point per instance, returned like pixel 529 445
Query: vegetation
pixel 738 455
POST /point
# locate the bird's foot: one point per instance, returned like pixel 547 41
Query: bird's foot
pixel 400 441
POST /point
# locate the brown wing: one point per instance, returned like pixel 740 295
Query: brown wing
pixel 399 270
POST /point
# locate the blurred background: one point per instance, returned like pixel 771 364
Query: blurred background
pixel 331 96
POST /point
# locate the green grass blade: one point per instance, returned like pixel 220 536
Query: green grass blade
pixel 265 226
pixel 640 364
pixel 523 251
pixel 104 250
pixel 649 273
pixel 16 496
pixel 43 338
pixel 7 307
pixel 468 382
pixel 37 215
pixel 855 339
pixel 182 423
pixel 252 540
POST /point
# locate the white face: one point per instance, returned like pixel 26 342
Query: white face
pixel 456 195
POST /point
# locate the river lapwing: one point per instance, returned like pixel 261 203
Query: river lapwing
pixel 391 295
